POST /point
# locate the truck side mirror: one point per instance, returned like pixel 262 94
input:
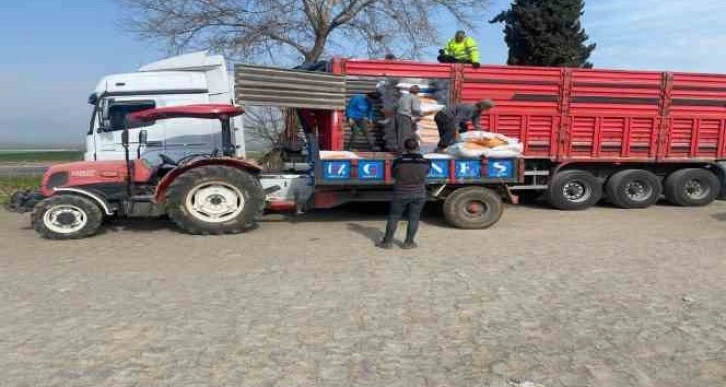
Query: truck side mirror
pixel 105 126
pixel 105 121
pixel 105 107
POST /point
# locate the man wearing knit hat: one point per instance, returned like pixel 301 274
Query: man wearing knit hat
pixel 455 118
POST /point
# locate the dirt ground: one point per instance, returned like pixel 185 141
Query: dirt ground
pixel 604 297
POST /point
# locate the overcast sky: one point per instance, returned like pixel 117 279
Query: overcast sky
pixel 54 52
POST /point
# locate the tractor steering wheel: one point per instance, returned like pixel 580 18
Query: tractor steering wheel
pixel 167 160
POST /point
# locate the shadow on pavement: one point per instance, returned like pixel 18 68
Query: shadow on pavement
pixel 351 214
pixel 138 225
pixel 375 234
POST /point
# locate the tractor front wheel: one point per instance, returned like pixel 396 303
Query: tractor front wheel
pixel 66 217
pixel 215 200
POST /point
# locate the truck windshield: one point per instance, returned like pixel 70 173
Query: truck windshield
pixel 119 110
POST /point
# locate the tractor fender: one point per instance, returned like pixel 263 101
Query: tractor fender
pixel 98 199
pixel 161 188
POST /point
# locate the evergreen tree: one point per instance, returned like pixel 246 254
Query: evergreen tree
pixel 546 33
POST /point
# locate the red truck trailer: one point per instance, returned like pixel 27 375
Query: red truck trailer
pixel 588 134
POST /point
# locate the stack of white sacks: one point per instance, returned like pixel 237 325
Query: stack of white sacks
pixel 480 143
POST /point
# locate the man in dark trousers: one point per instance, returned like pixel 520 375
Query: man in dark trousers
pixel 408 112
pixel 455 118
pixel 359 113
pixel 409 194
pixel 389 99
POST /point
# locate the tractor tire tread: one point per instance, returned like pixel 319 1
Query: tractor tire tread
pixel 244 181
pixel 93 212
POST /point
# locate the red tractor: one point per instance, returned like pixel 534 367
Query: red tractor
pixel 203 194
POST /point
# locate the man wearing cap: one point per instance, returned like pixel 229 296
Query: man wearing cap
pixel 408 112
pixel 460 49
pixel 389 99
pixel 455 118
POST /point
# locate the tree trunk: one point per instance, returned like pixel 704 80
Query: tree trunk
pixel 318 48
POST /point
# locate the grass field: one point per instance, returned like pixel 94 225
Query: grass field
pixel 8 185
pixel 49 156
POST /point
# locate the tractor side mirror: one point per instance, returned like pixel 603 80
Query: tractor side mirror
pixel 125 138
pixel 143 137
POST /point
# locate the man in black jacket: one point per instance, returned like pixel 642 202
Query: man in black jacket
pixel 409 194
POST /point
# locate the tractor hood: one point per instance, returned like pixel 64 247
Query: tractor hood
pixel 83 173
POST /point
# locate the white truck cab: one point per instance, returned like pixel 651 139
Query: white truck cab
pixel 196 78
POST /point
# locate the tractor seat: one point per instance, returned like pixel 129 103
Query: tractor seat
pixel 167 160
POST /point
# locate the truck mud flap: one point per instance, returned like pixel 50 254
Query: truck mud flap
pixel 722 176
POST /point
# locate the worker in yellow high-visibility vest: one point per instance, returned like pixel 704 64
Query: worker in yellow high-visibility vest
pixel 460 49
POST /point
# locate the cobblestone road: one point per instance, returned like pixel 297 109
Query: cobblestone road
pixel 600 298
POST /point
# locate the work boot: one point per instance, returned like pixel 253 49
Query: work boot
pixel 384 244
pixel 409 245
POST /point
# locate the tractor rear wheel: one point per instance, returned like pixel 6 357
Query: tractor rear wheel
pixel 215 200
pixel 66 217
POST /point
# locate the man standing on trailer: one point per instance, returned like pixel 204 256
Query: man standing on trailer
pixel 389 98
pixel 408 112
pixel 409 194
pixel 309 122
pixel 455 118
pixel 460 49
pixel 359 113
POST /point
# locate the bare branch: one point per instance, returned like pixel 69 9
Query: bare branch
pixel 307 29
pixel 284 32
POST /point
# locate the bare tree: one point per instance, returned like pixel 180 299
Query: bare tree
pixel 261 31
pixel 263 126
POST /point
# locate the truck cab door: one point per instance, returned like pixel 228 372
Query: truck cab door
pixel 113 116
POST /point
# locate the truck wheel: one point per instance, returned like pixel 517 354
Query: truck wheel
pixel 473 208
pixel 66 217
pixel 574 190
pixel 215 200
pixel 633 188
pixel 692 187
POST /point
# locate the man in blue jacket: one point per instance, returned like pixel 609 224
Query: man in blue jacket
pixel 359 114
